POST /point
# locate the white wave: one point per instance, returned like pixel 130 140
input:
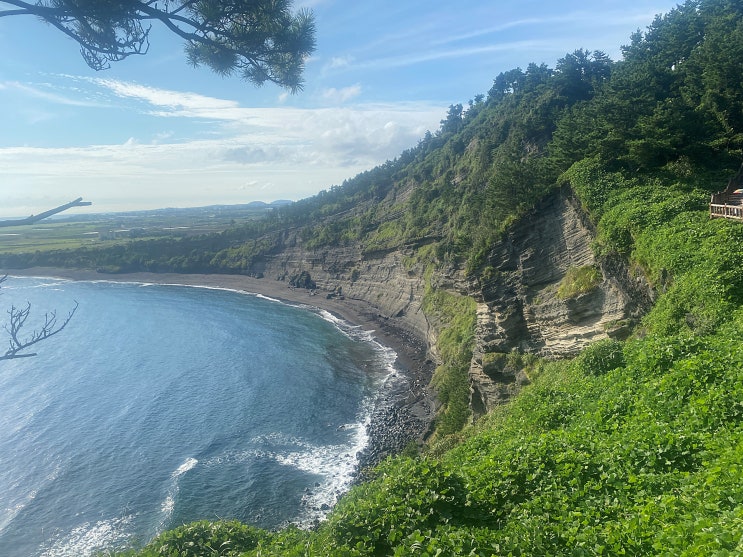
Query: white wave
pixel 202 287
pixel 24 285
pixel 325 314
pixel 335 464
pixel 189 463
pixel 10 512
pixel 269 298
pixel 196 286
pixel 386 355
pixel 332 465
pixel 168 504
pixel 91 538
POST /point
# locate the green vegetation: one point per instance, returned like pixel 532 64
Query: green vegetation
pixel 632 448
pixel 577 281
pixel 105 230
pixel 600 357
pixel 455 316
pixel 226 538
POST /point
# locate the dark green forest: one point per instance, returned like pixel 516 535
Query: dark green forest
pixel 630 448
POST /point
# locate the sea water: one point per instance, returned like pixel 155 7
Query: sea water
pixel 159 405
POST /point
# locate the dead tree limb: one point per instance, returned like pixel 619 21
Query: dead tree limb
pixel 36 218
pixel 18 344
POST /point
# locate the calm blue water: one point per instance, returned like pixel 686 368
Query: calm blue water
pixel 160 405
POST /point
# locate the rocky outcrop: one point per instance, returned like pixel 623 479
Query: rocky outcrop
pixel 518 306
pixel 520 309
pixel 494 380
pixel 302 280
pixel 392 289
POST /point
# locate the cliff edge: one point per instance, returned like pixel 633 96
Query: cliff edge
pixel 521 307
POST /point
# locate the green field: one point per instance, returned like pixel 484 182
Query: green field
pixel 102 230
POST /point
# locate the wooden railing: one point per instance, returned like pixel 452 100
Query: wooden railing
pixel 724 205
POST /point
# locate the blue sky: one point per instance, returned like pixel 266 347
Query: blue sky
pixel 153 132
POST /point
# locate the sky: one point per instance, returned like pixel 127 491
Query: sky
pixel 153 132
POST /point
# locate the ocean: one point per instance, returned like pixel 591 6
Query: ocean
pixel 159 405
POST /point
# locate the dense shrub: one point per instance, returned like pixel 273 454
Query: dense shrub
pixel 455 317
pixel 600 357
pixel 205 539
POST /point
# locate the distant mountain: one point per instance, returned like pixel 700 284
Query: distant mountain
pixel 273 204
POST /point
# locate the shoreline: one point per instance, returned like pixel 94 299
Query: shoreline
pixel 401 416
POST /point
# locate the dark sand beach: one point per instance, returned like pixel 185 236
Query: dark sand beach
pixel 405 415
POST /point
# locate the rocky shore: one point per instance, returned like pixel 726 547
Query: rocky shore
pixel 404 415
pixel 405 410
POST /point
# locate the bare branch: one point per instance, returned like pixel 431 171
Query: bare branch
pixel 18 344
pixel 46 214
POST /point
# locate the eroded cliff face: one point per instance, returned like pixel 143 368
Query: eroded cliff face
pixel 392 290
pixel 518 309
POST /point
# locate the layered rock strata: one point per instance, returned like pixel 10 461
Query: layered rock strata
pixel 518 306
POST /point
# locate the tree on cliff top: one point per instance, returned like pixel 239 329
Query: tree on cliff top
pixel 259 40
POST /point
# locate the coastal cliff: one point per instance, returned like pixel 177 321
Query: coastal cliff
pixel 522 308
pixel 518 295
pixel 517 292
pixel 391 290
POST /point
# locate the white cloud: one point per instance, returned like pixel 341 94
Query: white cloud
pixel 340 62
pixel 561 21
pixel 279 152
pixel 39 93
pixel 441 35
pixel 342 95
pixel 161 137
pixel 164 97
pixel 417 57
pixel 168 103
